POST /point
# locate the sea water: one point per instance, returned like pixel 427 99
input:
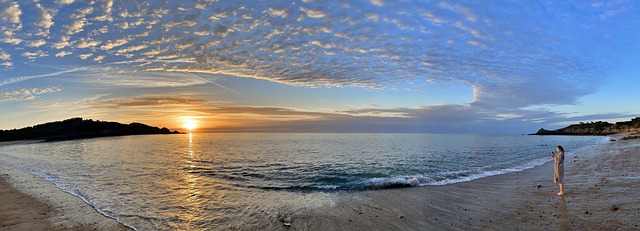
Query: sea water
pixel 225 181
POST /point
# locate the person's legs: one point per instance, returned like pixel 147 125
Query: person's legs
pixel 561 190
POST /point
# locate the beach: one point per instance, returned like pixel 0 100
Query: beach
pixel 32 203
pixel 601 188
pixel 601 193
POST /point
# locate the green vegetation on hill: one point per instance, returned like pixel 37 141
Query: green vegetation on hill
pixel 595 128
pixel 77 128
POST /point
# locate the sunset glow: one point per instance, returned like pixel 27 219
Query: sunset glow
pixel 189 124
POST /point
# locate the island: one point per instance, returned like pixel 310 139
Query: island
pixel 599 128
pixel 78 128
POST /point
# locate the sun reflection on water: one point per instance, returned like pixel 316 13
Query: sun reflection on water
pixel 193 210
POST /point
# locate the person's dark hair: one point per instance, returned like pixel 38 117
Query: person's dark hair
pixel 561 149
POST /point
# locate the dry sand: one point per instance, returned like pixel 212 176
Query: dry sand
pixel 602 192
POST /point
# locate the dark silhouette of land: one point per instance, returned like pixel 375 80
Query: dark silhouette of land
pixel 78 128
pixel 600 128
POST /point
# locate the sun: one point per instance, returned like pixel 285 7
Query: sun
pixel 189 123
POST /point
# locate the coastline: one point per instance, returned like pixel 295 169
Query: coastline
pixel 601 188
pixel 32 203
pixel 601 194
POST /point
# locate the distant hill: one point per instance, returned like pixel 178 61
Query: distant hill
pixel 77 128
pixel 599 128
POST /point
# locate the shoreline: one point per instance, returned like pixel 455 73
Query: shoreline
pixel 600 194
pixel 600 189
pixel 32 203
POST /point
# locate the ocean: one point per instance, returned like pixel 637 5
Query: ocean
pixel 205 181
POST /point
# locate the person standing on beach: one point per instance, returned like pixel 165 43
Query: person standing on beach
pixel 558 168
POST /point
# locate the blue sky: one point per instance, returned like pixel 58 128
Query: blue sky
pixel 321 66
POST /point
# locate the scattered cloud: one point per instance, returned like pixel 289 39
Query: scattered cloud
pixel 87 43
pixel 46 21
pixel 34 55
pixel 114 43
pixel 25 94
pixel 77 26
pixel 62 43
pixel 65 2
pixel 12 13
pixel 63 53
pixel 7 64
pixel 377 2
pixel 313 13
pixel 4 55
pixel 36 43
pixel 85 56
pixel 511 64
pixel 99 58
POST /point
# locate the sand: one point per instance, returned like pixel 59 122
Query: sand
pixel 601 193
pixel 32 203
pixel 21 212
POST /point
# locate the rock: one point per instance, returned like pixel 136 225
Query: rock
pixel 586 212
pixel 614 208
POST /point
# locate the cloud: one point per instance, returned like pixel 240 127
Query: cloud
pixel 36 43
pixel 377 2
pixel 114 43
pixel 10 22
pixel 34 55
pixel 11 40
pixel 11 14
pixel 77 26
pixel 99 58
pixel 132 49
pixel 62 43
pixel 513 63
pixel 7 64
pixel 65 2
pixel 85 56
pixel 144 79
pixel 28 77
pixel 278 12
pixel 46 21
pixel 87 43
pixel 63 53
pixel 25 94
pixel 430 119
pixel 313 13
pixel 4 55
pixel 149 101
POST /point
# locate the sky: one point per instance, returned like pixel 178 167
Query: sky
pixel 321 66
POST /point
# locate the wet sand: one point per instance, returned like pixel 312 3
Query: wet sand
pixel 601 193
pixel 31 203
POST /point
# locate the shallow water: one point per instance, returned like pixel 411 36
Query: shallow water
pixel 225 181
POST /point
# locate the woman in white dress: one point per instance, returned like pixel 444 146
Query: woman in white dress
pixel 558 168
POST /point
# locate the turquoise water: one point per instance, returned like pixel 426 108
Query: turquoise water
pixel 224 181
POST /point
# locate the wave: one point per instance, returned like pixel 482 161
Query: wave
pixel 419 180
pixel 74 192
